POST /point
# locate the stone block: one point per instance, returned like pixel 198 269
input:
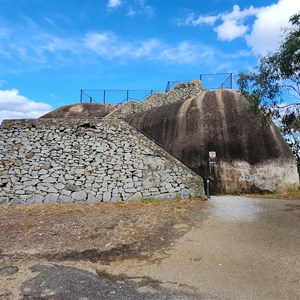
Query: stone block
pixel 59 186
pixel 115 198
pixel 31 182
pixel 65 199
pixel 43 172
pixel 135 197
pixel 131 190
pixel 51 198
pixel 51 189
pixel 35 199
pixel 184 194
pixel 129 185
pixel 50 179
pixel 92 199
pixel 72 187
pixel 79 196
pixel 107 196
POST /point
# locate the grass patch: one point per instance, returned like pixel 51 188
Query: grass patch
pixel 287 194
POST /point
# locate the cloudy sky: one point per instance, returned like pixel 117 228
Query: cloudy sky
pixel 50 49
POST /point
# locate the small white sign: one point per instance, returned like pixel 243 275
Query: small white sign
pixel 212 154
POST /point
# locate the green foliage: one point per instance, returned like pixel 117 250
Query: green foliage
pixel 274 82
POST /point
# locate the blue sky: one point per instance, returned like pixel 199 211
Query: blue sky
pixel 50 49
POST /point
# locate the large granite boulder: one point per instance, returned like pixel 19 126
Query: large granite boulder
pixel 248 157
pixel 80 110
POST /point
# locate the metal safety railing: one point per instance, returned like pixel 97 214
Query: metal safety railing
pixel 114 96
pixel 172 83
pixel 217 81
pixel 209 81
pixel 109 96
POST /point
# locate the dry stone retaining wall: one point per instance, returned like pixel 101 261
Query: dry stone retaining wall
pixel 78 161
pixel 180 92
pixel 123 110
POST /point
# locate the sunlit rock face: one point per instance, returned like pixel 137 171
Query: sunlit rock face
pixel 80 110
pixel 249 157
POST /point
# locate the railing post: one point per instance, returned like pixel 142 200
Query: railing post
pixel 231 80
pixel 200 77
pixel 127 95
pixel 207 188
pixel 168 87
pixel 104 96
pixel 80 96
pixel 91 99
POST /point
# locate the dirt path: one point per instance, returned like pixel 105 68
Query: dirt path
pixel 224 248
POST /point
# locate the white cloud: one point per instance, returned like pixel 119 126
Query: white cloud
pixel 232 26
pixel 131 12
pixel 137 7
pixel 266 32
pixel 109 46
pixel 230 30
pixel 114 3
pixel 207 20
pixel 15 106
pixel 186 53
pixel 146 9
pixel 262 34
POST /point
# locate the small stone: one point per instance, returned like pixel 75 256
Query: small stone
pixel 43 172
pixel 50 180
pixel 8 271
pixel 65 199
pixel 92 199
pixel 17 163
pixel 107 196
pixel 42 177
pixel 129 185
pixel 79 196
pixel 184 194
pixel 51 189
pixel 35 199
pixel 127 156
pixel 46 166
pixel 51 198
pixel 29 155
pixel 115 198
pixel 31 182
pixel 72 187
pixel 59 186
pixel 131 190
pixel 65 192
pixel 136 197
pixel 79 172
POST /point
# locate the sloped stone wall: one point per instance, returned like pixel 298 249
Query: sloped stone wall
pixel 180 92
pixel 78 161
pixel 123 110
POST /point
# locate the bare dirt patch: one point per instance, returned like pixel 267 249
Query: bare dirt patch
pixel 102 232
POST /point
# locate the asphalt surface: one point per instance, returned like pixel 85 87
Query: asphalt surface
pixel 244 249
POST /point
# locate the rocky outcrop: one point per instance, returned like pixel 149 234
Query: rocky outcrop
pixel 249 157
pixel 80 110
